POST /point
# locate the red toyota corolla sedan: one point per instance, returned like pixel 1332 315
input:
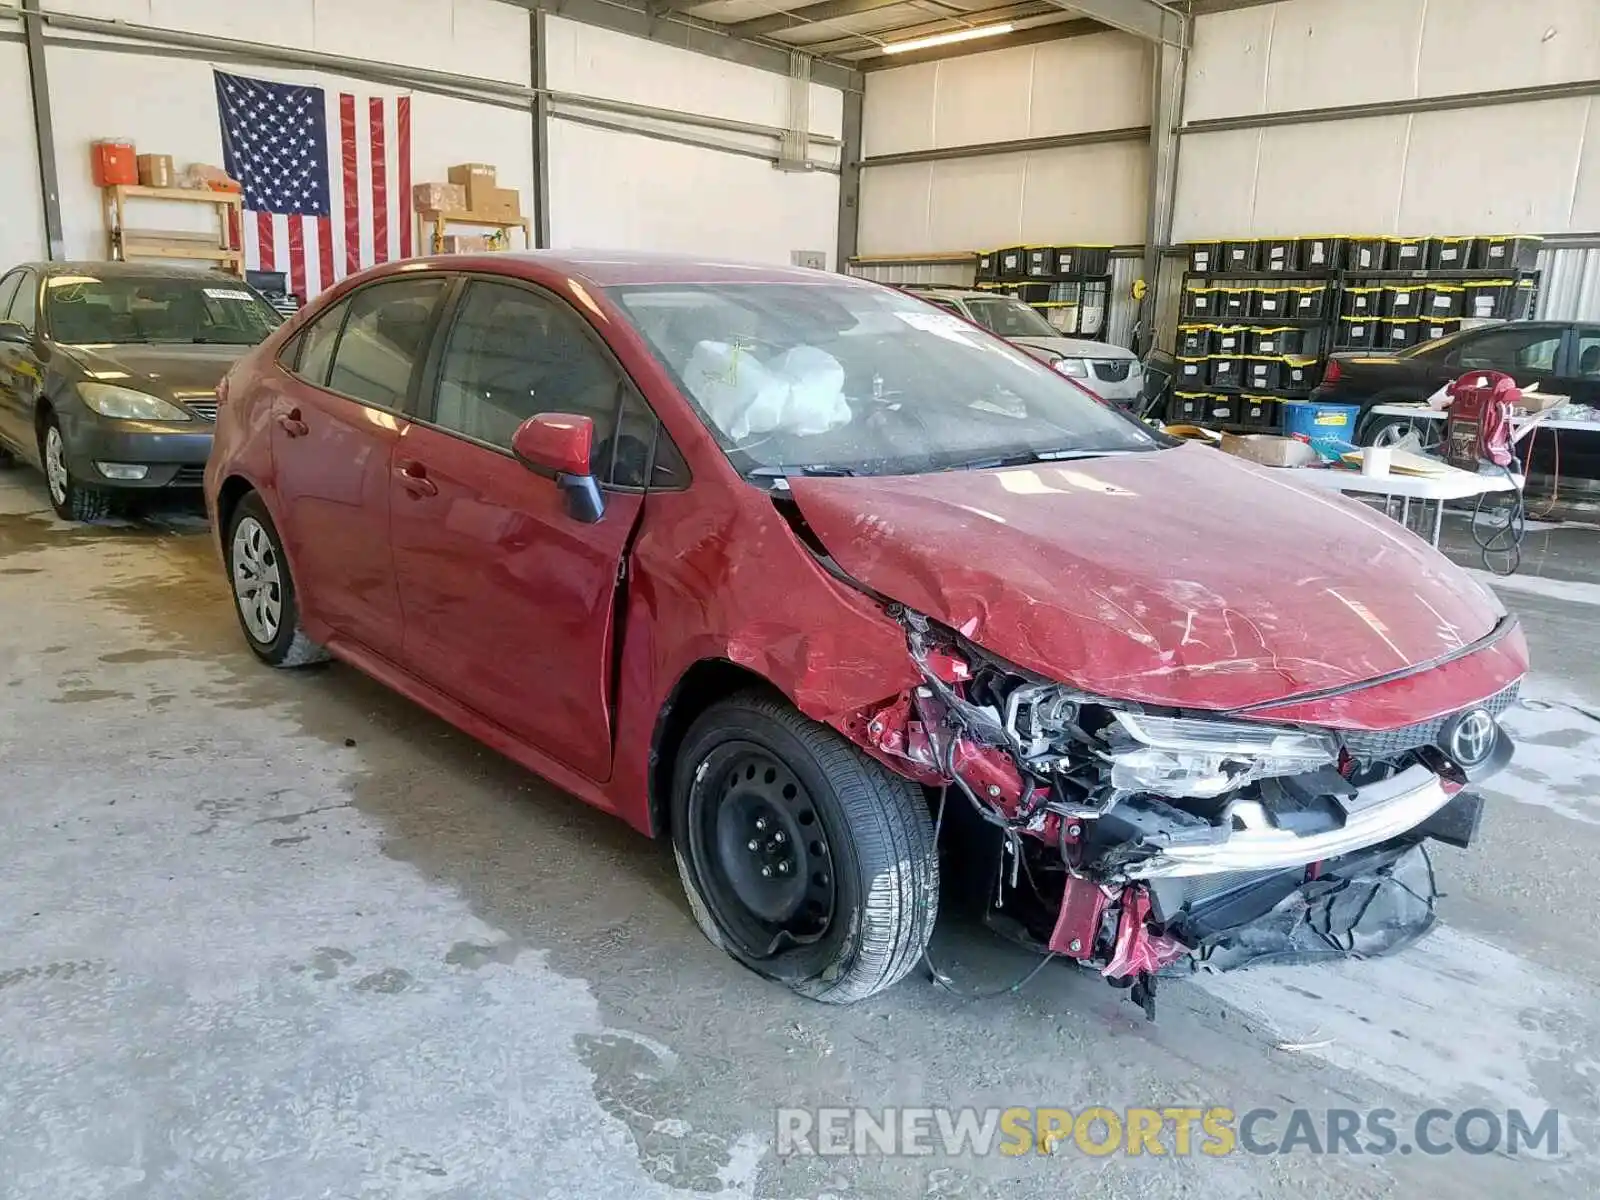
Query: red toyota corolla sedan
pixel 798 570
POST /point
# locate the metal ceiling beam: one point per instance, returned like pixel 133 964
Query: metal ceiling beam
pixel 1059 141
pixel 672 28
pixel 1004 41
pixel 835 41
pixel 1148 19
pixel 807 14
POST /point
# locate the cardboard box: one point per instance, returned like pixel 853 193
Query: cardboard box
pixel 1269 450
pixel 439 197
pixel 465 243
pixel 156 170
pixel 498 204
pixel 477 178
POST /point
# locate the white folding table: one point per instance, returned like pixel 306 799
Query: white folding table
pixel 1523 423
pixel 1450 484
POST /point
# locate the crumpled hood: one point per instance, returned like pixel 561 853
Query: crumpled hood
pixel 172 372
pixel 1182 577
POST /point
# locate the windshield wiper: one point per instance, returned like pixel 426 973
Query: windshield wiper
pixel 1024 457
pixel 822 469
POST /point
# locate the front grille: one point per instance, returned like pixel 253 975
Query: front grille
pixel 1112 370
pixel 1379 745
pixel 206 410
pixel 189 477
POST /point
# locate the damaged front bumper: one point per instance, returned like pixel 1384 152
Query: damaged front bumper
pixel 1140 842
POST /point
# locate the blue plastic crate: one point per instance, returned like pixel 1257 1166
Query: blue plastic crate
pixel 1328 426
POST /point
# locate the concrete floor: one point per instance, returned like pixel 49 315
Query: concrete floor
pixel 271 934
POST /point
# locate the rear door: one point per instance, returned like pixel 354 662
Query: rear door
pixel 510 601
pixel 1580 379
pixel 336 417
pixel 1530 353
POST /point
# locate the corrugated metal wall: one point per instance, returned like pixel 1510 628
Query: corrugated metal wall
pixel 939 274
pixel 1569 284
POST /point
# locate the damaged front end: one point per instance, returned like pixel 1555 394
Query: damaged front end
pixel 1145 842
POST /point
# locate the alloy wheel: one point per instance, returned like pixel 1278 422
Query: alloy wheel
pixel 257 580
pixel 55 465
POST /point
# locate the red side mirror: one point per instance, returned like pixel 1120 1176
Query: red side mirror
pixel 558 442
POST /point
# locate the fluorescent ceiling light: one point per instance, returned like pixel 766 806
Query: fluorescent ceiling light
pixel 945 39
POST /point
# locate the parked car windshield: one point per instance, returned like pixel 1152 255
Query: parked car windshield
pixel 850 378
pixel 123 309
pixel 1009 318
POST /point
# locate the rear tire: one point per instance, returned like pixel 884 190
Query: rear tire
pixel 802 858
pixel 72 500
pixel 263 590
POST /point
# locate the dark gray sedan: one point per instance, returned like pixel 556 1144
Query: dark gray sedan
pixel 108 373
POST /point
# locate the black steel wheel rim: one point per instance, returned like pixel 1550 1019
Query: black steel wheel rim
pixel 762 853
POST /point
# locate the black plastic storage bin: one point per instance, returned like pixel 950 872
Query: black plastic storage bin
pixel 1205 257
pixel 1194 341
pixel 1409 254
pixel 1031 293
pixel 1223 410
pixel 1263 374
pixel 1503 299
pixel 1442 301
pixel 1189 407
pixel 988 267
pixel 1083 260
pixel 1297 341
pixel 1271 302
pixel 1011 263
pixel 1233 304
pixel 1226 372
pixel 1322 255
pixel 1201 301
pixel 1274 343
pixel 1301 374
pixel 1239 257
pixel 1310 303
pixel 1258 412
pixel 1507 253
pixel 1367 254
pixel 1402 303
pixel 1361 302
pixel 1227 341
pixel 1041 261
pixel 1357 333
pixel 1451 253
pixel 1193 372
pixel 1433 329
pixel 1278 256
pixel 1399 335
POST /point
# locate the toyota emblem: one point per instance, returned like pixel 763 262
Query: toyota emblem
pixel 1473 738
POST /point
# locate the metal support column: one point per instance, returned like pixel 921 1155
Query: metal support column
pixel 43 129
pixel 541 131
pixel 849 181
pixel 1171 60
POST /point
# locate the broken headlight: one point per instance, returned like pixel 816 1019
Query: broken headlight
pixel 1171 756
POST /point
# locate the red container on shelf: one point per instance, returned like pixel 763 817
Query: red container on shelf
pixel 113 162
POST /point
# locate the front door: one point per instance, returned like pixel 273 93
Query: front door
pixel 20 369
pixel 337 417
pixel 509 601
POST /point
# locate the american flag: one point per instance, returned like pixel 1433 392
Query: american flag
pixel 301 217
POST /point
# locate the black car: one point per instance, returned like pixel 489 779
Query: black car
pixel 108 373
pixel 1563 358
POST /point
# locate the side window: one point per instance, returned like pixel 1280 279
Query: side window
pixel 1510 349
pixel 1589 355
pixel 513 354
pixel 314 346
pixel 25 304
pixel 947 305
pixel 384 338
pixel 8 289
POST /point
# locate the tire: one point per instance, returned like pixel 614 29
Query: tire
pixel 263 590
pixel 72 500
pixel 877 861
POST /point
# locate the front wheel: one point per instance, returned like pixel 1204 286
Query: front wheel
pixel 72 500
pixel 802 858
pixel 263 590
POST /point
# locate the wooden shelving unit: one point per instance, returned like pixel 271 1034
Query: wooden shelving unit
pixel 439 220
pixel 124 243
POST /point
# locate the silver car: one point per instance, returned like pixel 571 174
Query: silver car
pixel 1110 372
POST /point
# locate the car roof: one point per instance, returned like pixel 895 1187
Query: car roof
pixel 950 291
pixel 138 270
pixel 611 268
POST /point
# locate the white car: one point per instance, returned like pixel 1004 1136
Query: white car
pixel 1110 372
